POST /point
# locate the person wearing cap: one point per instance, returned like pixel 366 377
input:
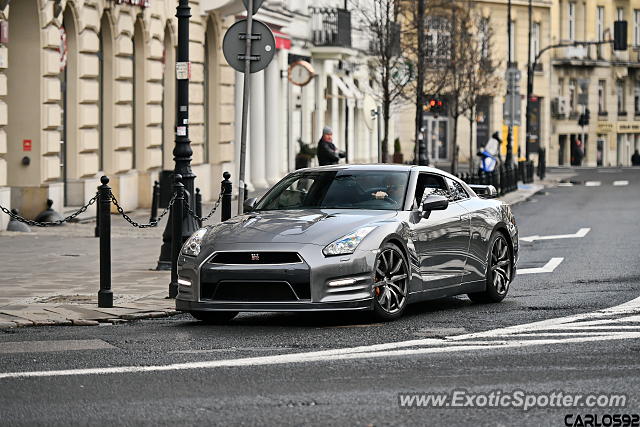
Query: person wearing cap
pixel 328 153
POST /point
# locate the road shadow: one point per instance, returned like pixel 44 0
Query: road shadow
pixel 330 318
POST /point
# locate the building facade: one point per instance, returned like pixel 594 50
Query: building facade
pixel 474 132
pixel 87 87
pixel 596 77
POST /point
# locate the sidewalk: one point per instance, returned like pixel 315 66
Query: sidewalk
pixel 51 276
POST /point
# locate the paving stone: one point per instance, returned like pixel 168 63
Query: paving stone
pixel 7 325
pixel 84 322
pixel 135 316
pixel 19 321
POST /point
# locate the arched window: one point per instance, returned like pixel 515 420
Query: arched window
pixel 105 56
pixel 139 98
pixel 168 98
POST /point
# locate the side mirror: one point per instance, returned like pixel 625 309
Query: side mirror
pixel 485 191
pixel 249 204
pixel 434 202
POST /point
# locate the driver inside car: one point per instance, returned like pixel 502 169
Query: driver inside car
pixel 393 188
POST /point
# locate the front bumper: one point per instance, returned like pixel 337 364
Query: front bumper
pixel 181 305
pixel 309 280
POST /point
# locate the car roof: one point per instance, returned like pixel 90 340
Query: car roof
pixel 380 166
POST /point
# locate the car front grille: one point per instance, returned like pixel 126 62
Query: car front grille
pixel 254 291
pixel 255 258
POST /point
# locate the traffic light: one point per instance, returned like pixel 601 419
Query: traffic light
pixel 434 105
pixel 620 35
pixel 583 120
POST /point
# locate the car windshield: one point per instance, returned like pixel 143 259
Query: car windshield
pixel 343 189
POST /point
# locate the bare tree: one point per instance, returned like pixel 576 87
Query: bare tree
pixel 482 79
pixel 449 60
pixel 389 68
pixel 417 47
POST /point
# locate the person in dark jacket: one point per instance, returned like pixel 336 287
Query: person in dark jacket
pixel 328 153
pixel 635 159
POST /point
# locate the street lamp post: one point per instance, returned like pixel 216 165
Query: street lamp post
pixel 182 151
pixel 509 157
pixel 529 92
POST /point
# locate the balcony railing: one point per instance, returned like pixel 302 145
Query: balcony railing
pixel 331 27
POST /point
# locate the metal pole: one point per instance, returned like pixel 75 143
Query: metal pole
pixel 176 242
pixel 529 91
pixel 227 192
pixel 509 156
pixel 182 151
pixel 245 105
pixel 379 117
pixel 154 201
pixel 582 137
pixel 105 294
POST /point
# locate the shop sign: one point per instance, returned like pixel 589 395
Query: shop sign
pixel 604 127
pixel 629 127
pixel 141 3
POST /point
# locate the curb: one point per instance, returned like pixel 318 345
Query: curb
pixel 125 318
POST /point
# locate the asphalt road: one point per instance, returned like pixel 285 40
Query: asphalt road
pixel 274 369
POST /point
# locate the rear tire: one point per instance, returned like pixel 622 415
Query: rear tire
pixel 499 271
pixel 214 317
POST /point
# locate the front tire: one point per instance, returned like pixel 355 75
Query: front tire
pixel 214 317
pixel 391 283
pixel 499 271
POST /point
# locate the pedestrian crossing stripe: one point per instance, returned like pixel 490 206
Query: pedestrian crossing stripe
pixel 592 184
pixel 616 323
pixel 620 183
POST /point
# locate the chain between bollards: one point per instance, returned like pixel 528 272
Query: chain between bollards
pixel 105 294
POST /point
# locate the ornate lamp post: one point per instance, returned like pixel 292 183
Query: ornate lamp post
pixel 182 151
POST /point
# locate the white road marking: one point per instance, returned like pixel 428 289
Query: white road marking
pixel 581 233
pixel 565 184
pixel 51 345
pixel 620 183
pixel 518 336
pixel 547 268
pixel 592 184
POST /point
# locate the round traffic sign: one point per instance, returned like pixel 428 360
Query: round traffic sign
pixel 263 46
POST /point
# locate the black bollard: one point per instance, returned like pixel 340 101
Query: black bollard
pixel 155 198
pixel 199 206
pixel 177 212
pixel 227 192
pixel 105 295
pixel 96 230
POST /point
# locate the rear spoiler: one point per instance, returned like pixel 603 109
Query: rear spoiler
pixel 485 191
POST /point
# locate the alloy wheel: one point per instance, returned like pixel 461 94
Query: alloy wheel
pixel 501 265
pixel 390 281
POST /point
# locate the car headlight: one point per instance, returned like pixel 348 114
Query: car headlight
pixel 347 244
pixel 192 245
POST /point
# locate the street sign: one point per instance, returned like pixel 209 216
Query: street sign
pixel 511 109
pixel 256 5
pixel 512 106
pixel 263 45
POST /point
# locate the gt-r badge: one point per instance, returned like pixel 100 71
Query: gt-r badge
pixel 255 257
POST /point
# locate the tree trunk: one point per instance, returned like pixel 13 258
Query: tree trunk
pixel 454 161
pixel 421 157
pixel 472 116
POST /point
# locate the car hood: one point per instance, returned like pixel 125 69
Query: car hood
pixel 319 227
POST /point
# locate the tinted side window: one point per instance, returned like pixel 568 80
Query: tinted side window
pixel 428 184
pixel 457 191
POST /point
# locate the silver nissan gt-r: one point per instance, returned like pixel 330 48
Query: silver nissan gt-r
pixel 352 237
